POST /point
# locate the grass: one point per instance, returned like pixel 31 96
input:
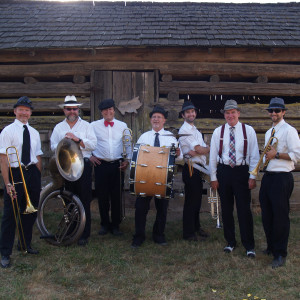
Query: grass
pixel 108 268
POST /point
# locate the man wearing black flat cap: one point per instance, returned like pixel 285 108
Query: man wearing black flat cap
pixel 157 137
pixel 81 132
pixel 194 150
pixel 108 163
pixel 28 144
pixel 233 153
pixel 277 183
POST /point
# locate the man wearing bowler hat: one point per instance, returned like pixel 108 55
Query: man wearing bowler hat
pixel 81 132
pixel 194 150
pixel 157 137
pixel 28 144
pixel 109 166
pixel 277 183
pixel 233 153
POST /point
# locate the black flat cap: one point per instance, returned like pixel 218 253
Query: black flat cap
pixel 24 101
pixel 107 103
pixel 188 105
pixel 159 109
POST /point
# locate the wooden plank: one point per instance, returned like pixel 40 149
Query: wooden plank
pixel 151 82
pixel 44 104
pixel 43 89
pixel 230 88
pixel 179 54
pixel 178 68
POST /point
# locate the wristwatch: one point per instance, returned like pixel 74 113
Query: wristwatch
pixel 277 155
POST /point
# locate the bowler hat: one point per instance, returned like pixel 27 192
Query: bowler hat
pixel 188 105
pixel 24 101
pixel 107 103
pixel 70 101
pixel 159 109
pixel 230 104
pixel 277 103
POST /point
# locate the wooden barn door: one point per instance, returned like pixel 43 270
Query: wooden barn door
pixel 124 86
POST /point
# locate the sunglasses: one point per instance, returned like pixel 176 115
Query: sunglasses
pixel 71 108
pixel 276 110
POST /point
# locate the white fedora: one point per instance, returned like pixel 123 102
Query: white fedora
pixel 70 101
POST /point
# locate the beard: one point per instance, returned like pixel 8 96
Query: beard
pixel 72 118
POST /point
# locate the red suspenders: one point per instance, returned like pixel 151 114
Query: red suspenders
pixel 245 141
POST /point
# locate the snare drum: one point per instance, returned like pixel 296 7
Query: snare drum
pixel 152 171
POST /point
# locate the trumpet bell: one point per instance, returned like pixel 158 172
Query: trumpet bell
pixel 69 159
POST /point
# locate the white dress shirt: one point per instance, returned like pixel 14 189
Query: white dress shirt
pixel 188 143
pixel 166 139
pixel 82 129
pixel 12 135
pixel 288 142
pixel 109 140
pixel 252 148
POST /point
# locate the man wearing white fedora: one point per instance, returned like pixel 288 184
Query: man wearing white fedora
pixel 81 132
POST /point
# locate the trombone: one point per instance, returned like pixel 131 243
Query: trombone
pixel 13 195
pixel 255 171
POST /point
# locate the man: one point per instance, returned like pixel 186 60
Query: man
pixel 277 183
pixel 28 144
pixel 108 163
pixel 233 152
pixel 194 150
pixel 157 137
pixel 81 132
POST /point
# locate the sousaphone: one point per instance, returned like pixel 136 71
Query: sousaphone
pixel 61 216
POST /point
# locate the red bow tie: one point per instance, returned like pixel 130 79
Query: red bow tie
pixel 106 123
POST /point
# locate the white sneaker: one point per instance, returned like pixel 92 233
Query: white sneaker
pixel 251 253
pixel 228 249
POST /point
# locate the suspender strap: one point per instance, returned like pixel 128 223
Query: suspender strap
pixel 221 141
pixel 245 141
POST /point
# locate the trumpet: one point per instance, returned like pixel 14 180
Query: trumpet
pixel 255 171
pixel 214 201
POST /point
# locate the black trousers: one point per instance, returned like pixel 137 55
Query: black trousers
pixel 32 178
pixel 83 189
pixel 274 196
pixel 142 206
pixel 108 186
pixel 193 197
pixel 233 184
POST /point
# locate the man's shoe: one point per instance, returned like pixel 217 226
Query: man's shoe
pixel 202 233
pixel 192 238
pixel 251 253
pixel 32 251
pixel 267 252
pixel 117 232
pixel 228 249
pixel 5 262
pixel 103 231
pixel 82 242
pixel 136 244
pixel 164 243
pixel 278 261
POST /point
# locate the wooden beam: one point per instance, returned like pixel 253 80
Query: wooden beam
pixel 230 88
pixel 192 68
pixel 179 54
pixel 43 89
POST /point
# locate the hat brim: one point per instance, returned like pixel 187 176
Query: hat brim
pixel 276 106
pixel 189 107
pixel 24 104
pixel 223 110
pixel 70 104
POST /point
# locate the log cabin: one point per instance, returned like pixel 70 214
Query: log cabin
pixel 142 54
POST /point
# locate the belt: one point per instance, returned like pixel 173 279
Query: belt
pixel 25 168
pixel 273 173
pixel 117 161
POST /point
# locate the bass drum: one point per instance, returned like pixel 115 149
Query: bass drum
pixel 61 216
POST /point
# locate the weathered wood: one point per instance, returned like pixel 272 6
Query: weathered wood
pixel 79 79
pixel 169 67
pixel 261 79
pixel 173 96
pixel 230 88
pixel 154 54
pixel 44 104
pixel 166 78
pixel 43 89
pixel 214 78
pixel 30 80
